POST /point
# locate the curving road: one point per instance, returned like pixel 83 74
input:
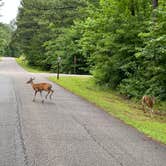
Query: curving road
pixel 66 131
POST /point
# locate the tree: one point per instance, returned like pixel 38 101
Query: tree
pixel 5 37
pixel 149 78
pixel 40 26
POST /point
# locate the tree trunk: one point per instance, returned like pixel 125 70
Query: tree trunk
pixel 155 3
pixel 132 8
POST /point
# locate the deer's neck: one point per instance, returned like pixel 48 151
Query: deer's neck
pixel 32 84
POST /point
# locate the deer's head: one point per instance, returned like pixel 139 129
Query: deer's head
pixel 30 80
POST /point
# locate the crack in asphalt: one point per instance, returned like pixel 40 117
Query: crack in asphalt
pixel 95 140
pixel 6 125
pixel 19 125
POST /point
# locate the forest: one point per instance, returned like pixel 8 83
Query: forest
pixel 122 43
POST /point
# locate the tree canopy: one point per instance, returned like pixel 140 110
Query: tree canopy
pixel 122 43
pixel 5 36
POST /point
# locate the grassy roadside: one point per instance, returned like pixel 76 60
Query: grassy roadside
pixel 125 110
pixel 23 63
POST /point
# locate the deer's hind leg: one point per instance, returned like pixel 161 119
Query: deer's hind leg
pixel 41 96
pixel 51 93
pixel 143 107
pixel 47 94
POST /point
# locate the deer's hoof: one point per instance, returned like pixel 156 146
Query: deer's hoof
pixel 42 101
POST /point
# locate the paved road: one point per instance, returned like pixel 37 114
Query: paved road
pixel 66 131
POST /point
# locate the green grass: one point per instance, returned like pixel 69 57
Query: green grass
pixel 23 63
pixel 109 101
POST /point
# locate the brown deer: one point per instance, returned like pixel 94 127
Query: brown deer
pixel 39 87
pixel 148 102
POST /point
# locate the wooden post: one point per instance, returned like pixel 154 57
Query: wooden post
pixel 75 62
pixel 58 71
pixel 58 66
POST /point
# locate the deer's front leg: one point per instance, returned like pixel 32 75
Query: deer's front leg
pixel 34 95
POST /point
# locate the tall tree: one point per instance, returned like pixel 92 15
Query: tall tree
pixel 40 25
pixel 5 37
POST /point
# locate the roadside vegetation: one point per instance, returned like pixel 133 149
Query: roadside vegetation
pixel 24 64
pixel 126 110
pixel 5 38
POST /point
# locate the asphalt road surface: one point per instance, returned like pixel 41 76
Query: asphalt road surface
pixel 66 131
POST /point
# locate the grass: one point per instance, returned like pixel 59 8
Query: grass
pixel 23 63
pixel 125 110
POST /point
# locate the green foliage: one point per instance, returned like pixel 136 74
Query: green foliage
pixel 24 64
pixel 5 37
pixel 122 43
pixel 125 46
pixel 63 42
pixel 149 78
pixel 42 28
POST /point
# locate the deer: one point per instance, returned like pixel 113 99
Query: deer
pixel 148 101
pixel 40 87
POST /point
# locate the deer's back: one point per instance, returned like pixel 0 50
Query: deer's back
pixel 42 86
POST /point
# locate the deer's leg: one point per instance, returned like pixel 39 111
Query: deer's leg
pixel 51 93
pixel 151 112
pixel 34 95
pixel 41 96
pixel 143 107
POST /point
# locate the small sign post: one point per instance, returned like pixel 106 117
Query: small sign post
pixel 58 66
